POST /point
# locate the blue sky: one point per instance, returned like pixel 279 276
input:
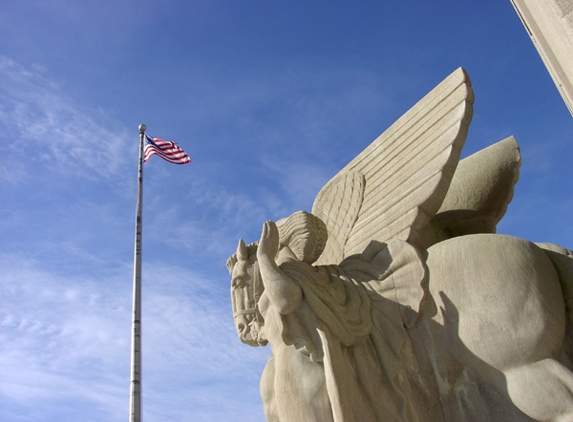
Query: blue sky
pixel 270 100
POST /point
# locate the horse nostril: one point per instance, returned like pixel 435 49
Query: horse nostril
pixel 241 327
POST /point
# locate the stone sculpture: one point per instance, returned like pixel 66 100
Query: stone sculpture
pixel 395 299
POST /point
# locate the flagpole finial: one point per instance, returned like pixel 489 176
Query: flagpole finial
pixel 142 128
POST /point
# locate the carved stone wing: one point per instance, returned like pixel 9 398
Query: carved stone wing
pixel 337 205
pixel 400 180
pixel 481 190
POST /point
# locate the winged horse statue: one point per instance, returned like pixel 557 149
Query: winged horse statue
pixel 395 299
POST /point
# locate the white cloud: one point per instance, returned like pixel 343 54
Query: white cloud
pixel 45 124
pixel 65 339
pixel 301 181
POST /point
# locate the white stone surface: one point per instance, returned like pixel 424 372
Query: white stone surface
pixel 549 23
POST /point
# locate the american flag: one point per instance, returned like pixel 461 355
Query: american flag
pixel 167 150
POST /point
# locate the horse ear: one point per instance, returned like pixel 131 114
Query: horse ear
pixel 242 251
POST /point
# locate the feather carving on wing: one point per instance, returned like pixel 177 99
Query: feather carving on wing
pixel 393 189
pixel 338 206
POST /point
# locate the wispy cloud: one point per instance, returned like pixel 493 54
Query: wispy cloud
pixel 60 339
pixel 301 181
pixel 66 339
pixel 54 128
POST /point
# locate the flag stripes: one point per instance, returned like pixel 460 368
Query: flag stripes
pixel 167 150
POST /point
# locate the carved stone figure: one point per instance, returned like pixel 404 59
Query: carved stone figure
pixel 395 299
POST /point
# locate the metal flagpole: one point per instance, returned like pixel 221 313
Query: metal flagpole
pixel 135 385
